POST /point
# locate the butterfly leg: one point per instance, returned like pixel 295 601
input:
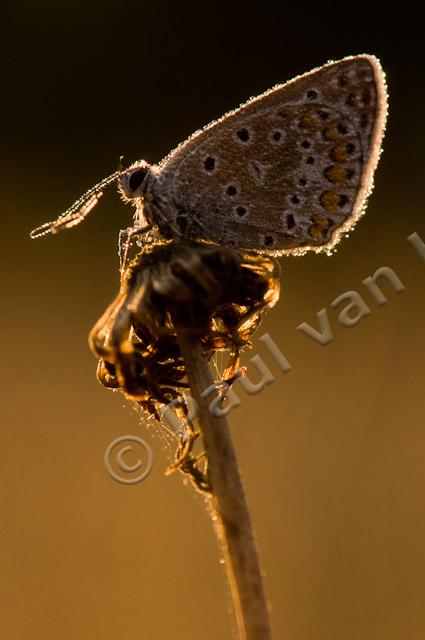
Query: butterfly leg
pixel 125 239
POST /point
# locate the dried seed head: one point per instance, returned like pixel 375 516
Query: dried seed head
pixel 218 293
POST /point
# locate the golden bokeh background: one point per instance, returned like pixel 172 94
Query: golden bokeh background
pixel 332 454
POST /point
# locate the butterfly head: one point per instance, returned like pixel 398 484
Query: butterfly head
pixel 133 181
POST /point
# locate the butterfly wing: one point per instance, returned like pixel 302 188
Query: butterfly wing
pixel 288 171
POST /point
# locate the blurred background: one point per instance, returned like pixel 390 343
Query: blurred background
pixel 332 454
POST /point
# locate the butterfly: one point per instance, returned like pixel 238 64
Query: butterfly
pixel 287 172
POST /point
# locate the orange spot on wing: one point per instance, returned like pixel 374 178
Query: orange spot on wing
pixel 308 121
pixel 316 232
pixel 330 200
pixel 320 220
pixel 330 133
pixel 339 153
pixel 336 173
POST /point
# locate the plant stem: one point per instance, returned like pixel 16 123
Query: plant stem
pixel 233 522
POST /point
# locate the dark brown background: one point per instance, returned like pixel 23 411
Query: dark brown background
pixel 332 454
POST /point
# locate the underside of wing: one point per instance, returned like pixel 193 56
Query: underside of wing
pixel 287 172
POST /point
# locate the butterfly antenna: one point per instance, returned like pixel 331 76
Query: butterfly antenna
pixel 78 211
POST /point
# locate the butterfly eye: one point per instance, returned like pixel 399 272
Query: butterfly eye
pixel 136 178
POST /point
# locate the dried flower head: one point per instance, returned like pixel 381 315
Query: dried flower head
pixel 217 293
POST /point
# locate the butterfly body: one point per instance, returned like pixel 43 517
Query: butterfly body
pixel 287 172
